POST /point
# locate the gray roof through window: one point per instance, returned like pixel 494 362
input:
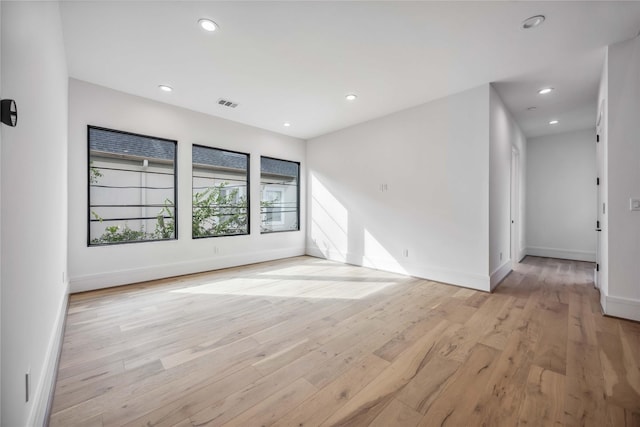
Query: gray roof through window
pixel 127 144
pixel 214 157
pixel 278 167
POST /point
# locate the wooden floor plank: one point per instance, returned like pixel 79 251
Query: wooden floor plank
pixel 620 371
pixel 308 342
pixel 193 401
pixel 499 403
pixel 426 387
pixel 273 407
pixel 551 351
pixel 459 399
pixel 544 399
pixel 220 411
pixel 366 405
pixel 585 398
pixel 329 399
pixel 397 414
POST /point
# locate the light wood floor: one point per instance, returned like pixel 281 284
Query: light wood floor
pixel 307 342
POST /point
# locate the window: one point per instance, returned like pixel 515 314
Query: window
pixel 220 197
pixel 280 195
pixel 273 210
pixel 132 187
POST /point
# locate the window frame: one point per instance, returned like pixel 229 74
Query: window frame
pixel 297 195
pixel 248 191
pixel 88 181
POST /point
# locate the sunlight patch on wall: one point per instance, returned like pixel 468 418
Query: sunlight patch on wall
pixel 377 256
pixel 329 222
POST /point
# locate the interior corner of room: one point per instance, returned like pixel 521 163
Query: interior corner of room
pixel 455 181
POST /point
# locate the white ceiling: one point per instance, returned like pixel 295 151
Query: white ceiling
pixel 295 61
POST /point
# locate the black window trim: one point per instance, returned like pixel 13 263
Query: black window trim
pixel 297 194
pixel 248 191
pixel 175 187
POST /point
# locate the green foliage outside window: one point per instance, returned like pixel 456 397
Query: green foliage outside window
pixel 217 211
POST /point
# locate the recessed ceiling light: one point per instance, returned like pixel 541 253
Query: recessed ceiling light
pixel 286 124
pixel 532 22
pixel 207 24
pixel 545 90
pixel 531 108
pixel 553 122
pixel 165 88
pixel 351 97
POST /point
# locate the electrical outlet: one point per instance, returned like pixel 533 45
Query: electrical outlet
pixel 405 253
pixel 500 256
pixel 216 250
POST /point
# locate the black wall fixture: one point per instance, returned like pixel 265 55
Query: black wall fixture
pixel 9 112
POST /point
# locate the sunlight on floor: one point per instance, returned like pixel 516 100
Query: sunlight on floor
pixel 311 282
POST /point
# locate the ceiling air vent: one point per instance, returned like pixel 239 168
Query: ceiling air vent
pixel 226 103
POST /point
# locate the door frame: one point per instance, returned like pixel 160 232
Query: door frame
pixel 600 129
pixel 515 206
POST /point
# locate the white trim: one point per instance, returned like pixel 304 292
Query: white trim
pixel 475 281
pixel 124 277
pixel 43 393
pixel 514 207
pixel 499 274
pixel 436 274
pixel 571 254
pixel 317 253
pixel 625 308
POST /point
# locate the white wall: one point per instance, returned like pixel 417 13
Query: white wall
pixel 623 170
pixel 505 135
pixel 34 201
pixel 98 267
pixel 432 162
pixel 1 96
pixel 561 202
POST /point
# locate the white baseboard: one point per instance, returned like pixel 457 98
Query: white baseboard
pixel 43 393
pixel 125 277
pixel 437 274
pixel 625 308
pixel 315 252
pixel 499 274
pixel 562 253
